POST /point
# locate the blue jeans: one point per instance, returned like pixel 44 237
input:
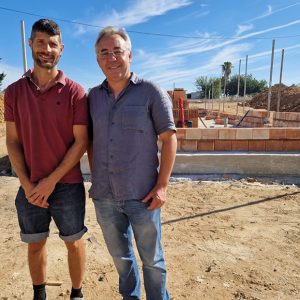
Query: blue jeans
pixel 118 219
pixel 66 208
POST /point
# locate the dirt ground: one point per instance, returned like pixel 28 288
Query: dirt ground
pixel 222 240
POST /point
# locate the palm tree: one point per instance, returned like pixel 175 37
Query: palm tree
pixel 226 71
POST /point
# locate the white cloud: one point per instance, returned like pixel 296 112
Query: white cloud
pixel 244 27
pixel 137 12
pixel 12 74
pixel 270 12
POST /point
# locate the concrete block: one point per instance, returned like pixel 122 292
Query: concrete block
pixel 244 134
pixel 260 134
pixel 246 164
pixel 210 134
pixel 227 133
pixel 193 134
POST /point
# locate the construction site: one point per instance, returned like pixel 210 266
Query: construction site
pixel 231 222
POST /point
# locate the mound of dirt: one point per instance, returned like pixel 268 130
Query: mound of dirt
pixel 289 99
pixel 1 108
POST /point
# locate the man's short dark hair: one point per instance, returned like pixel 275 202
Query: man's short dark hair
pixel 47 26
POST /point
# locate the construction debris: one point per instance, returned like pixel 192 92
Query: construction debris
pixel 289 98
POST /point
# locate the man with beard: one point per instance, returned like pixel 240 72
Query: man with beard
pixel 46 135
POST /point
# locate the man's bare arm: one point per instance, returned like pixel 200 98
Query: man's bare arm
pixel 168 155
pixel 46 186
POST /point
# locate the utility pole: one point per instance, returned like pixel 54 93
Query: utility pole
pixel 23 46
pixel 239 78
pixel 245 83
pixel 271 73
pixel 280 79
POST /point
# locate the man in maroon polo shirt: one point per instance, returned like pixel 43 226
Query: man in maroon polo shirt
pixel 46 128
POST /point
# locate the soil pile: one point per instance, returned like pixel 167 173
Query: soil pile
pixel 1 108
pixel 289 99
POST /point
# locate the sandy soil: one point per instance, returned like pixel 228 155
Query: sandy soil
pixel 222 240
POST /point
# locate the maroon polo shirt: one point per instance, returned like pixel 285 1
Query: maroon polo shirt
pixel 44 122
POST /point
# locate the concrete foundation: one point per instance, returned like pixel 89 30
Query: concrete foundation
pixel 247 164
pixel 244 164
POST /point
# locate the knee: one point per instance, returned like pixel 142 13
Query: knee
pixel 74 246
pixel 36 247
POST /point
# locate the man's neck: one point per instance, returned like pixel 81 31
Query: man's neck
pixel 44 78
pixel 118 87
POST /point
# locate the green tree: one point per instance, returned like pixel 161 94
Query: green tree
pixel 2 75
pixel 253 85
pixel 204 85
pixel 216 87
pixel 226 71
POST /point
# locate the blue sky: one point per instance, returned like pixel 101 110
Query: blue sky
pixel 174 41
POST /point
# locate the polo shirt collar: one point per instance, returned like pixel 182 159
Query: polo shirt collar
pixel 61 78
pixel 133 78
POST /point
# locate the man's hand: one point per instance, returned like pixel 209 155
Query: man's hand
pixel 157 196
pixel 40 193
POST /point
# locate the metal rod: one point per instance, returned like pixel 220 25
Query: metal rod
pixel 280 80
pixel 23 46
pixel 245 83
pixel 239 78
pixel 270 81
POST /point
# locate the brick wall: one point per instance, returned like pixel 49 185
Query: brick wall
pixel 239 139
pixel 256 118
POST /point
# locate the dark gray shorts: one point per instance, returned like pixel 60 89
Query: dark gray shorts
pixel 66 208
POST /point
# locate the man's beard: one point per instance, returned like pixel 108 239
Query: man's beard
pixel 50 64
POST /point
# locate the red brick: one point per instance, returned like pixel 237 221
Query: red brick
pixel 178 145
pixel 222 145
pixel 289 145
pixel 293 133
pixel 189 145
pixel 257 145
pixel 206 146
pixel 274 145
pixel 239 145
pixel 181 133
pixel 277 133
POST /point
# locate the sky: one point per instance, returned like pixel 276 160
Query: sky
pixel 173 41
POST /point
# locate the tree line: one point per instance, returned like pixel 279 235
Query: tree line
pixel 215 87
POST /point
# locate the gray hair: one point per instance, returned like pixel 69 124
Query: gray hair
pixel 111 30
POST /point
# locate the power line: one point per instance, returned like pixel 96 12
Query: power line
pixel 146 33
